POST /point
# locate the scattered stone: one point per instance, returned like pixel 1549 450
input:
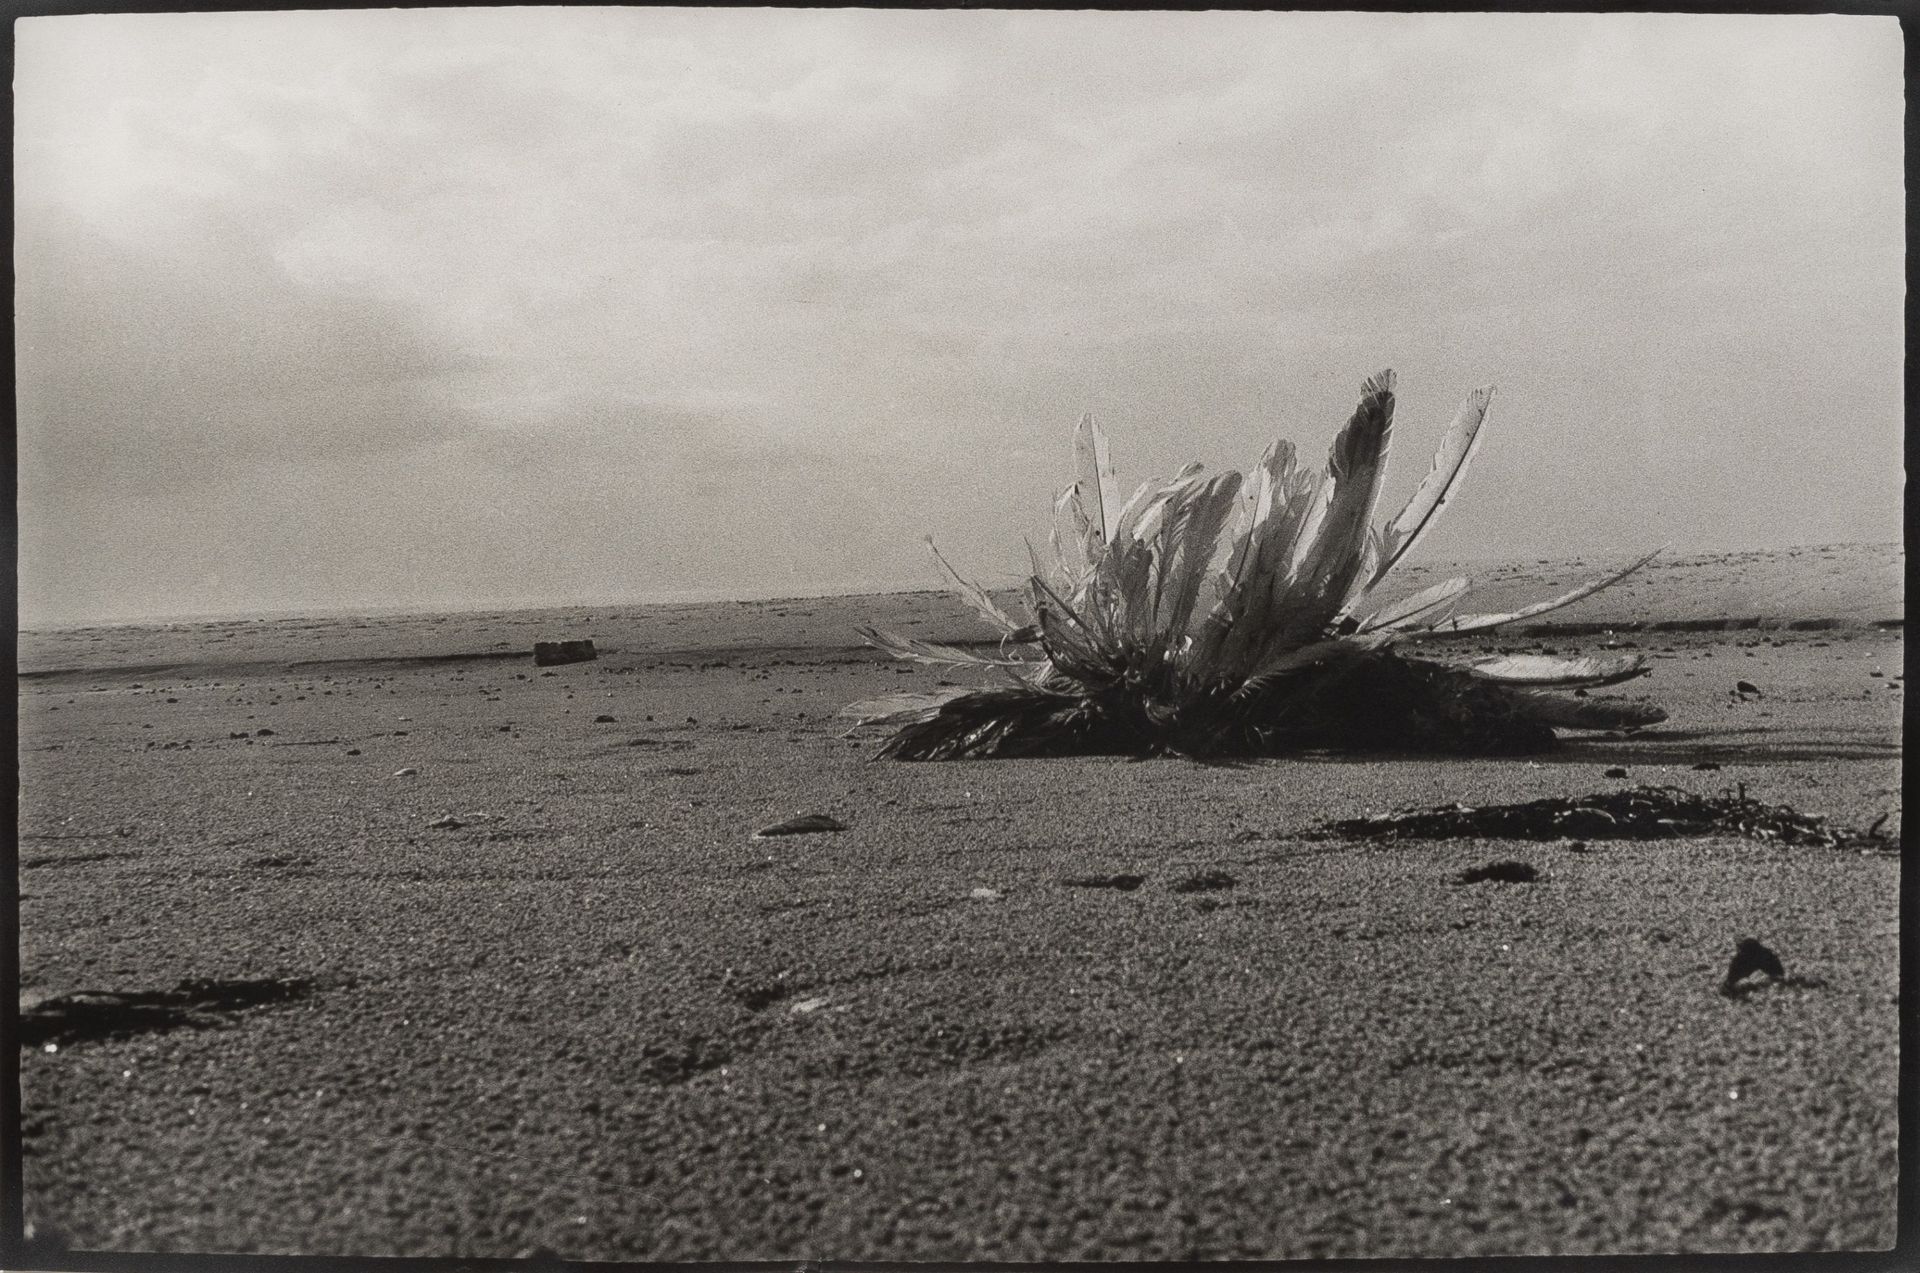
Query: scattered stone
pixel 263 733
pixel 1500 873
pixel 806 1006
pixel 1205 882
pixel 1750 957
pixel 604 719
pixel 805 824
pixel 447 823
pixel 353 751
pixel 407 772
pixel 984 894
pixel 548 653
pixel 1745 688
pixel 1125 883
pixel 1633 813
pixel 1616 772
pixel 752 994
pixel 1707 764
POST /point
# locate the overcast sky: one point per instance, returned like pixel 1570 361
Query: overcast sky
pixel 430 308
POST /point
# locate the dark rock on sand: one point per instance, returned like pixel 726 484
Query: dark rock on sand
pixel 546 653
pixel 1500 873
pixel 806 824
pixel 1205 882
pixel 1749 957
pixel 1125 883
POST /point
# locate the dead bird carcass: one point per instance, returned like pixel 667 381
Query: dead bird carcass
pixel 1219 616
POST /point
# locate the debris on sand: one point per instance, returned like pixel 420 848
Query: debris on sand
pixel 1499 873
pixel 1205 882
pixel 86 1016
pixel 1232 616
pixel 806 824
pixel 1751 957
pixel 1638 813
pixel 547 653
pixel 1124 882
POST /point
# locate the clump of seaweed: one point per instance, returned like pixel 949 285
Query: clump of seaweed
pixel 1639 813
pixel 1217 616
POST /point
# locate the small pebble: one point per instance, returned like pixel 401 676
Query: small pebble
pixel 1499 872
pixel 1750 956
pixel 806 824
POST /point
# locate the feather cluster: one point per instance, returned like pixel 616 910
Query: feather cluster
pixel 1230 615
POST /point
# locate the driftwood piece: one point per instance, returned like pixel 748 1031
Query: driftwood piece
pixel 547 653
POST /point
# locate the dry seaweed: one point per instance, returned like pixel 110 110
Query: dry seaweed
pixel 1638 813
pixel 1508 872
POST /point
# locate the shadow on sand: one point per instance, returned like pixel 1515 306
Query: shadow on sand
pixel 91 1015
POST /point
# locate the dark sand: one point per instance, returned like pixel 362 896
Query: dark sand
pixel 602 1020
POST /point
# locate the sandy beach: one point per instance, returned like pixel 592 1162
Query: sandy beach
pixel 368 936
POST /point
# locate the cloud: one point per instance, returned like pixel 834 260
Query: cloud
pixel 180 368
pixel 503 302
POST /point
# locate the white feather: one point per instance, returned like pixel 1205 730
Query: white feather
pixel 1545 671
pixel 1450 462
pixel 1422 602
pixel 1481 622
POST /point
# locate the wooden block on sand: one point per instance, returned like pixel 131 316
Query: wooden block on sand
pixel 547 653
